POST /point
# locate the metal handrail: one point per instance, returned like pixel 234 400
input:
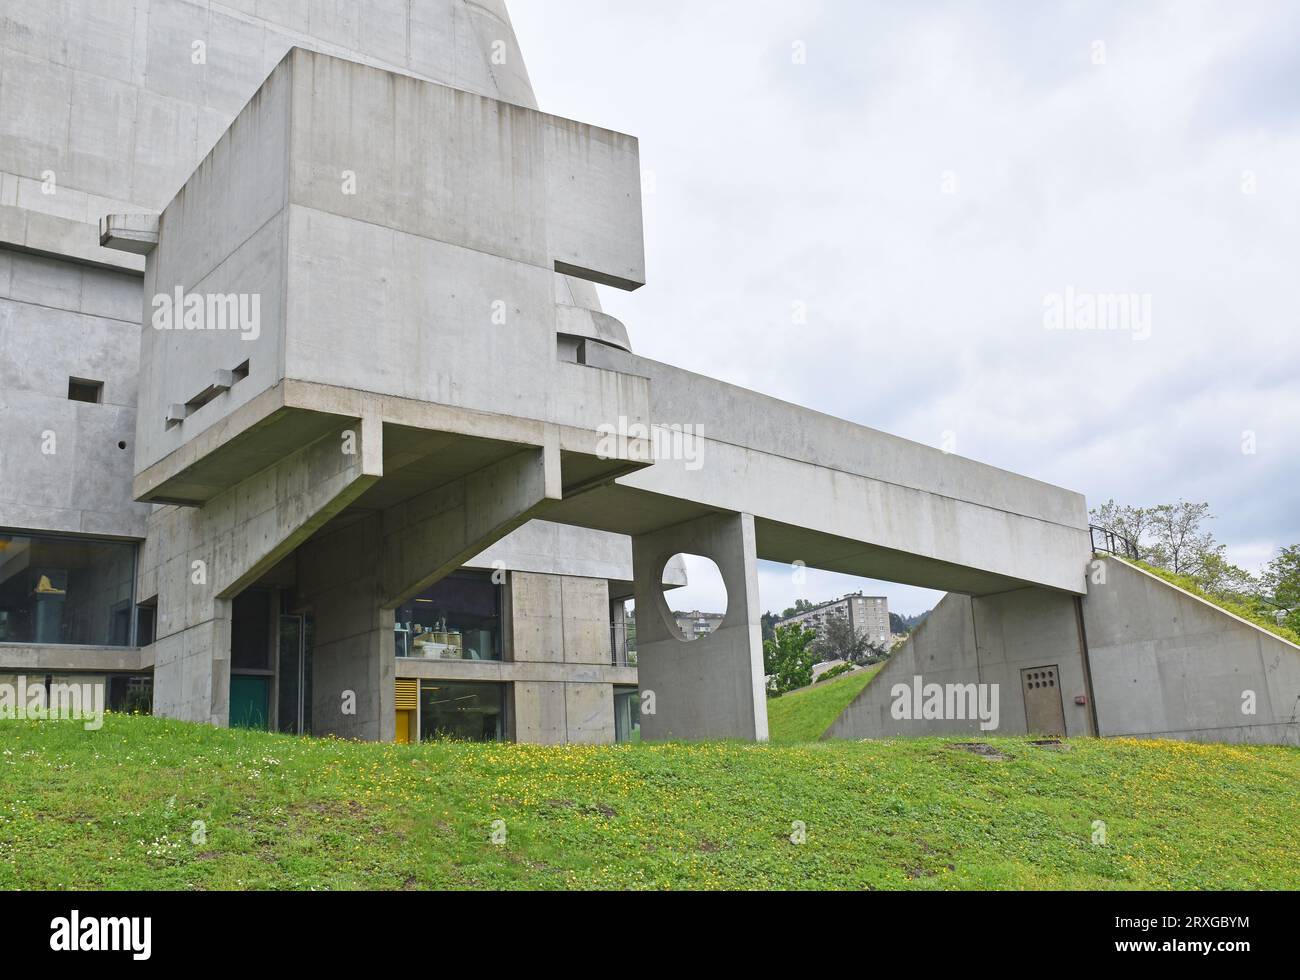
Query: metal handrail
pixel 1112 542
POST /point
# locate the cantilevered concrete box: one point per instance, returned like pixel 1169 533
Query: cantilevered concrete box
pixel 363 241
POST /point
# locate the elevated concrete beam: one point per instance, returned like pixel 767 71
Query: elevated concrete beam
pixel 432 535
pixel 297 497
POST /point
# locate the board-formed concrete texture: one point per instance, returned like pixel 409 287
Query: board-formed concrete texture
pixel 333 273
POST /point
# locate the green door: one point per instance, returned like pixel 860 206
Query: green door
pixel 248 701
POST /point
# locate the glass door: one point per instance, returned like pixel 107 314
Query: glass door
pixel 294 702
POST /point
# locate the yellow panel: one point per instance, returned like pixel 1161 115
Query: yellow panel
pixel 403 727
pixel 408 693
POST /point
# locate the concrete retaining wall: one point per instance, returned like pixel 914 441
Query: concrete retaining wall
pixel 1167 664
pixel 1164 664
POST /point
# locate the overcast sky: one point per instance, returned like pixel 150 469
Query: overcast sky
pixel 929 179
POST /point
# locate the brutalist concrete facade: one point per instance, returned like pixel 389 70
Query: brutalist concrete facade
pixel 107 108
pixel 298 301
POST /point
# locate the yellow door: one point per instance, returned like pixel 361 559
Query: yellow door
pixel 407 699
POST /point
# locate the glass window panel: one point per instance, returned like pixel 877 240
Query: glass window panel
pixel 457 619
pixel 66 590
pixel 250 631
pixel 473 712
pixel 627 714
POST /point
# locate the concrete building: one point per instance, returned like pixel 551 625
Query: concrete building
pixel 311 416
pixel 694 625
pixel 868 615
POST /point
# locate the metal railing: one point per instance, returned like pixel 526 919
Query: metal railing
pixel 1113 543
pixel 622 645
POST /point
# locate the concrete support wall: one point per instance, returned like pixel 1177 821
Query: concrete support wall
pixel 1163 663
pixel 196 560
pixel 1167 664
pixel 987 640
pixel 711 687
pixel 353 655
pixel 554 620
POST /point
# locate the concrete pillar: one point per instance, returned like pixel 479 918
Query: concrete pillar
pixel 353 656
pixel 196 560
pixel 711 687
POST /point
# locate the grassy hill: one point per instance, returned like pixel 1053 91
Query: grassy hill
pixel 802 716
pixel 118 808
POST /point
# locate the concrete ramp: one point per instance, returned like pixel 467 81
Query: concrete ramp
pixel 1168 664
pixel 1136 657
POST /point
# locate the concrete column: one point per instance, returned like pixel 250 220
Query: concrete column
pixel 353 657
pixel 711 687
pixel 196 560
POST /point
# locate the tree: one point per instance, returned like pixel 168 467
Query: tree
pixel 1219 577
pixel 1178 541
pixel 768 622
pixel 1130 522
pixel 1281 580
pixel 800 605
pixel 788 659
pixel 838 640
pixel 1171 536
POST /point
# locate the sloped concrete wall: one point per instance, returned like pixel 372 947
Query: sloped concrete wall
pixel 1164 664
pixel 1167 664
pixel 987 640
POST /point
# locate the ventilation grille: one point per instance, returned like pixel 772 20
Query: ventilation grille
pixel 408 693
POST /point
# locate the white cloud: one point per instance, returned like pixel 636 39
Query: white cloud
pixel 822 183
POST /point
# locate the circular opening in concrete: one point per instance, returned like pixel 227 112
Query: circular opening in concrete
pixel 695 594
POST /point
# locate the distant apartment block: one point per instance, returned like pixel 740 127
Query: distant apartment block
pixel 869 616
pixel 694 625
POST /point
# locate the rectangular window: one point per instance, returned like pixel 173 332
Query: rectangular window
pixel 457 619
pixel 81 390
pixel 146 615
pixel 250 631
pixel 472 712
pixel 56 589
pixel 627 714
pixel 130 693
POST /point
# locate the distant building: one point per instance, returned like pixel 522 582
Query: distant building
pixel 696 624
pixel 869 616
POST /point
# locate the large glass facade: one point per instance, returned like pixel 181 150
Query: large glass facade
pixel 66 590
pixel 473 712
pixel 458 619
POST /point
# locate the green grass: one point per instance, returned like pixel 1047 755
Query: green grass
pixel 802 716
pixel 117 809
